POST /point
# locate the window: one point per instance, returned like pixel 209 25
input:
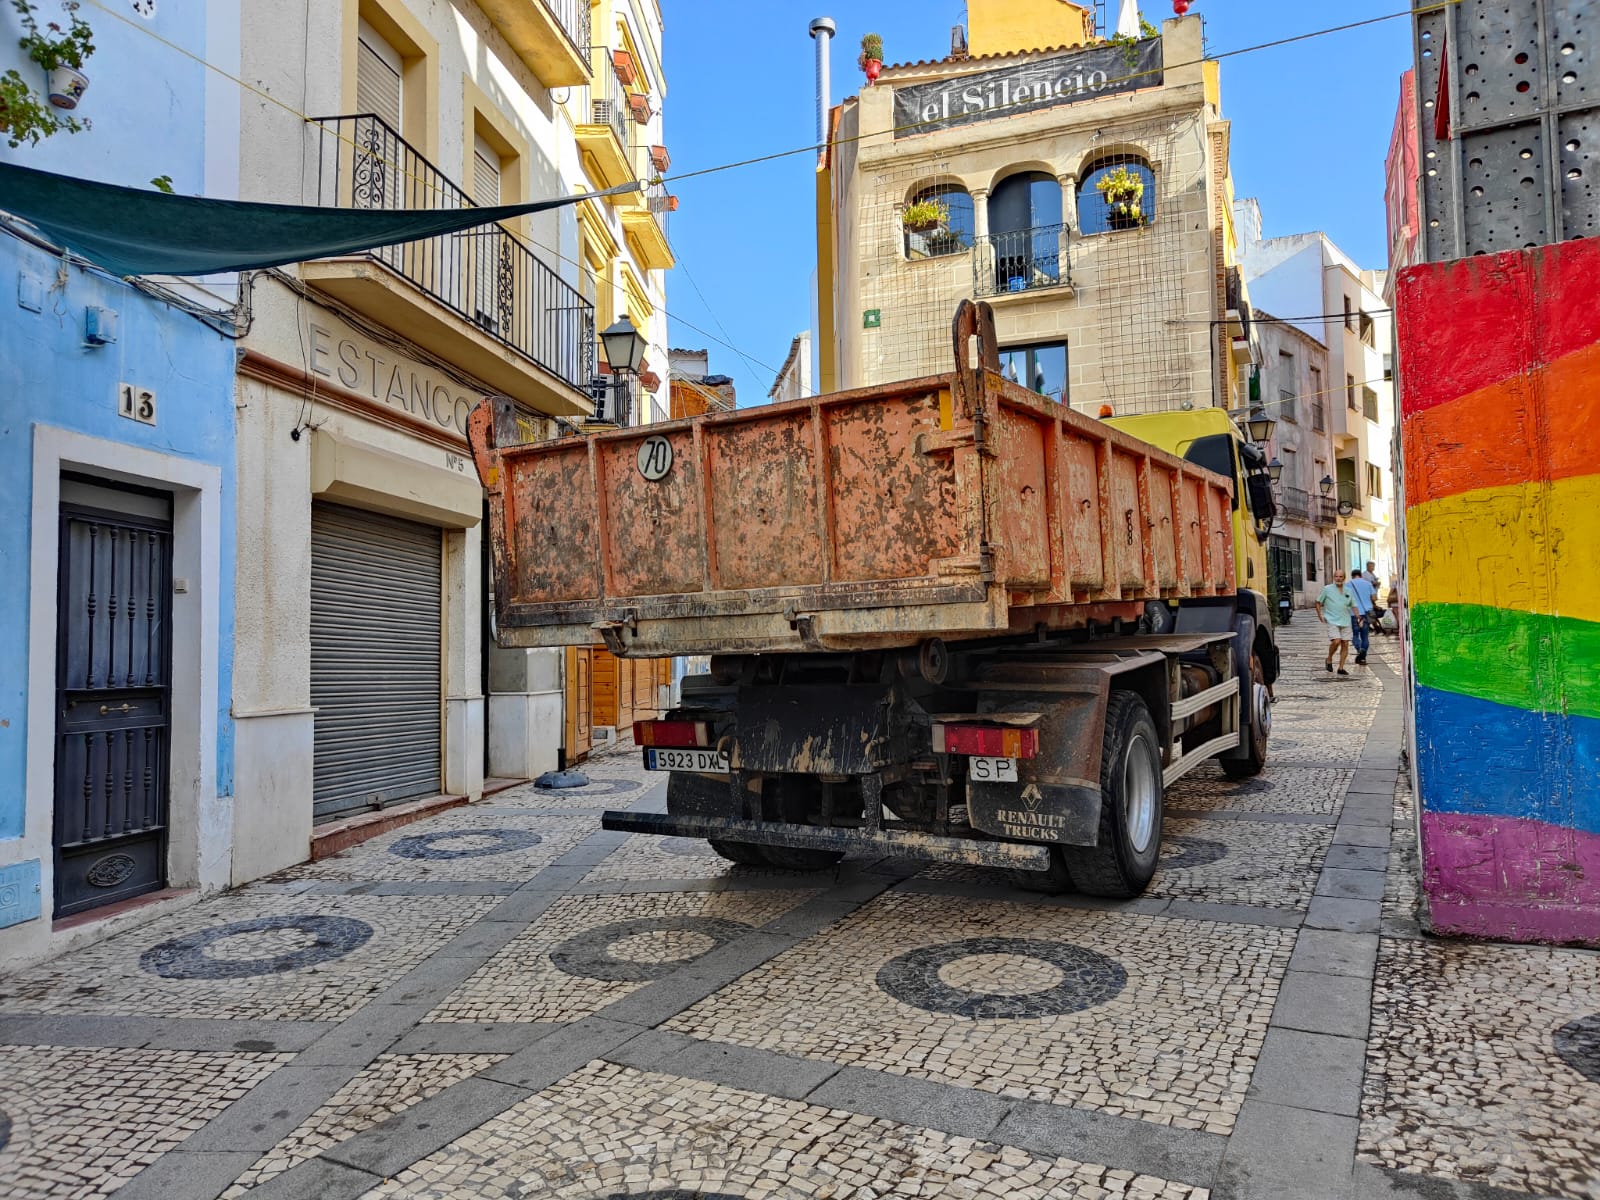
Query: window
pixel 1041 368
pixel 1287 381
pixel 1319 420
pixel 1388 366
pixel 1349 314
pixel 1375 481
pixel 1350 392
pixel 1368 330
pixel 1291 467
pixel 1311 561
pixel 484 244
pixel 953 235
pixel 378 72
pixel 1369 403
pixel 1025 234
pixel 1096 211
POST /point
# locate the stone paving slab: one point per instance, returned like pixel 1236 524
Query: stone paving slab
pixel 461 844
pixel 586 952
pixel 611 1130
pixel 82 1122
pixel 1484 1066
pixel 1307 790
pixel 1148 1017
pixel 1237 862
pixel 249 955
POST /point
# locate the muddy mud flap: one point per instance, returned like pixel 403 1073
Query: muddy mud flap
pixel 898 843
pixel 1057 795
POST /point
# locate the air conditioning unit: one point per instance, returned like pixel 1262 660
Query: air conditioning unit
pixel 603 111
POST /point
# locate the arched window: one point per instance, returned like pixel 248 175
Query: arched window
pixel 949 233
pixel 1116 193
pixel 1025 232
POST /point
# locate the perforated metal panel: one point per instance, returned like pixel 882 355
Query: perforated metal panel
pixel 1522 105
pixel 376 671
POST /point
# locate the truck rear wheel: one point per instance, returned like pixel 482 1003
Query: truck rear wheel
pixel 1124 860
pixel 742 853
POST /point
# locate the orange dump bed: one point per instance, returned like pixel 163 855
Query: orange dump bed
pixel 956 506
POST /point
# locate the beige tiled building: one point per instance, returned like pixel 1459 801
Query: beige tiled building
pixel 1132 300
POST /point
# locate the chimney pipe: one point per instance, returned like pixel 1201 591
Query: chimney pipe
pixel 822 31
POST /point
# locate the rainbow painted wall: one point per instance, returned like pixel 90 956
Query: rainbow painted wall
pixel 1500 428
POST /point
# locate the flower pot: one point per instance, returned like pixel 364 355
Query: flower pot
pixel 67 86
pixel 1120 216
pixel 873 67
pixel 929 226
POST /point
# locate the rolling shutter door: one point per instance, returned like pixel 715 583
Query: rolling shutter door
pixel 375 660
pixel 377 78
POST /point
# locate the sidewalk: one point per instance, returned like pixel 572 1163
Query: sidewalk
pixel 504 1000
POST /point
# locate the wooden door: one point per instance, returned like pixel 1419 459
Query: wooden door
pixel 579 699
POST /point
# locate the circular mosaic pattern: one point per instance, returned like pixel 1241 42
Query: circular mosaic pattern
pixel 1578 1045
pixel 320 939
pixel 592 954
pixel 110 870
pixel 672 1194
pixel 1084 979
pixel 500 841
pixel 686 847
pixel 598 787
pixel 1250 787
pixel 1180 853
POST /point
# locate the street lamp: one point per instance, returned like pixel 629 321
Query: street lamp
pixel 1326 484
pixel 1275 469
pixel 1260 426
pixel 624 349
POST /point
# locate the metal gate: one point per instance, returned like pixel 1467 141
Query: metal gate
pixel 113 712
pixel 376 672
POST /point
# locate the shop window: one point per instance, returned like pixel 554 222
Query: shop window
pixel 1109 209
pixel 1041 368
pixel 953 234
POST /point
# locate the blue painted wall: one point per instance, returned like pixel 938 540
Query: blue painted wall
pixel 155 110
pixel 48 376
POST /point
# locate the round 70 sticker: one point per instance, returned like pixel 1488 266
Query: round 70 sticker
pixel 655 457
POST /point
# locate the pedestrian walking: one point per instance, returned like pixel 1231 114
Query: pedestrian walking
pixel 1363 597
pixel 1335 607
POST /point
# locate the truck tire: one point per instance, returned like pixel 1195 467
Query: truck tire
pixel 791 858
pixel 742 853
pixel 1252 708
pixel 1129 847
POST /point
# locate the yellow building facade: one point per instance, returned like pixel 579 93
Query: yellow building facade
pixel 1079 186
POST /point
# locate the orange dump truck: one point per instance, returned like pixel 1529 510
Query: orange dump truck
pixel 948 618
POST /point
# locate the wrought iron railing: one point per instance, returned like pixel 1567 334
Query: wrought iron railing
pixel 608 104
pixel 573 17
pixel 1349 495
pixel 1296 503
pixel 483 274
pixel 1319 416
pixel 1326 511
pixel 1021 260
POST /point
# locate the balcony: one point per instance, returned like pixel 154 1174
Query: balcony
pixel 550 36
pixel 479 298
pixel 1326 512
pixel 641 226
pixel 1022 260
pixel 1296 504
pixel 604 139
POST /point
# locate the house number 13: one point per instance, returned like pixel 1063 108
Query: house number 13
pixel 136 403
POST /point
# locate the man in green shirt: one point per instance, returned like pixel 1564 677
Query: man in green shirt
pixel 1335 606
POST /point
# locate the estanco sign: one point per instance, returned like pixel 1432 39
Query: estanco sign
pixel 1102 71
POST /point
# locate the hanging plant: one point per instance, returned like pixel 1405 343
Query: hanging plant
pixel 25 116
pixel 1123 192
pixel 924 216
pixel 871 58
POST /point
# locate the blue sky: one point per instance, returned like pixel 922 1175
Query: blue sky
pixel 1311 125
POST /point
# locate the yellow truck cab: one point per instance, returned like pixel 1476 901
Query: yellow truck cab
pixel 1209 438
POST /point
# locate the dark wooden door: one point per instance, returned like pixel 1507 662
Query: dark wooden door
pixel 113 675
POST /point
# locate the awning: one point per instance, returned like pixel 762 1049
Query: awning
pixel 134 231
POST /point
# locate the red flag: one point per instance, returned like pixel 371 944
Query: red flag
pixel 1441 103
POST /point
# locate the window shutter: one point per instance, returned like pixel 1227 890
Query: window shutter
pixel 377 77
pixel 485 175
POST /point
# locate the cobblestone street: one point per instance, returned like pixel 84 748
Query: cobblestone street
pixel 506 1000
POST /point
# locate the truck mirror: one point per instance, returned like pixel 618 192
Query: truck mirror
pixel 1262 506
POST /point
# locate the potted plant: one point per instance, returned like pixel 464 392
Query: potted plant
pixel 924 216
pixel 871 60
pixel 1123 191
pixel 61 53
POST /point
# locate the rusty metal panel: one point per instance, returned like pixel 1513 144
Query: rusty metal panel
pixel 1085 546
pixel 1021 527
pixel 764 483
pixel 652 541
pixel 896 512
pixel 552 526
pixel 1163 529
pixel 1128 531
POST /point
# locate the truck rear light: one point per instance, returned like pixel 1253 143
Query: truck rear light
pixel 672 734
pixel 985 741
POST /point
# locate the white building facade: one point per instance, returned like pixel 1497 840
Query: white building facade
pixel 1307 281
